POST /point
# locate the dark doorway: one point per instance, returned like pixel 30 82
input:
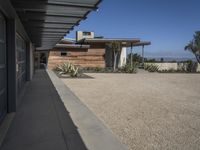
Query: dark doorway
pixel 43 60
pixel 3 68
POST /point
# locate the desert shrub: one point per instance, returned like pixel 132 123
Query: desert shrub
pixel 129 69
pixel 97 69
pixel 188 66
pixel 171 70
pixel 191 66
pixel 93 70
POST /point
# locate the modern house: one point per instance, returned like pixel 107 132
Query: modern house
pixel 90 51
pixel 28 26
pixel 33 114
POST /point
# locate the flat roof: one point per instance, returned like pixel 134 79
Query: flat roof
pixel 47 22
pixel 141 43
pixel 128 42
pixel 105 40
pixel 67 41
pixel 72 46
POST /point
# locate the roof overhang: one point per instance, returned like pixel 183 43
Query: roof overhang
pixel 72 46
pixel 48 21
pixel 108 40
pixel 141 43
pixel 126 42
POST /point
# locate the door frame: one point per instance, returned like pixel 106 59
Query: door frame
pixel 6 67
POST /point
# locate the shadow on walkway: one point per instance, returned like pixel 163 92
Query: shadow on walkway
pixel 42 121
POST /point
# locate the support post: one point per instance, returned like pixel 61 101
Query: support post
pixel 131 55
pixel 28 76
pixel 142 55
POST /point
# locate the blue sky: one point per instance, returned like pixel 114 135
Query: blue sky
pixel 168 24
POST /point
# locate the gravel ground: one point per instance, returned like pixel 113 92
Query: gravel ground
pixel 146 111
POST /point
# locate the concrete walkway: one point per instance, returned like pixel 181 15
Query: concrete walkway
pixel 42 122
pixel 94 133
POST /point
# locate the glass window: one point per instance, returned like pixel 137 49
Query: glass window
pixel 63 54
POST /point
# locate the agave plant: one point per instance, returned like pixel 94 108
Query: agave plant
pixel 64 68
pixel 74 71
pixel 67 68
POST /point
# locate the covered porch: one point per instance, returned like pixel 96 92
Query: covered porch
pixel 42 122
pixel 51 117
pixel 36 110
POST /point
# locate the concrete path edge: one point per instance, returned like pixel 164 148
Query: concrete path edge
pixel 5 126
pixel 93 132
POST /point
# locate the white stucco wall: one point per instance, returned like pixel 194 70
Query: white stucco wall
pixel 167 66
pixel 123 56
pixel 198 69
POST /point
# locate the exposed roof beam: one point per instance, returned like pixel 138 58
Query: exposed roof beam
pixel 50 28
pixel 47 34
pixel 105 40
pixel 36 22
pixel 46 38
pixel 43 7
pixel 58 3
pixel 142 43
pixel 40 15
pixel 50 43
pixel 48 21
pixel 48 25
pixel 71 46
pixel 47 30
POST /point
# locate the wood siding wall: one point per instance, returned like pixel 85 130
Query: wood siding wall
pixel 93 57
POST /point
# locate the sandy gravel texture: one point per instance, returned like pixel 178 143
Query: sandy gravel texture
pixel 146 111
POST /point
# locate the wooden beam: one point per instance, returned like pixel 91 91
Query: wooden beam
pixel 46 34
pixel 47 25
pixel 44 6
pixel 48 30
pixel 47 18
pixel 58 3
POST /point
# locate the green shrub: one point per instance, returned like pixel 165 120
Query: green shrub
pixel 128 69
pixel 191 66
pixel 97 69
pixel 171 70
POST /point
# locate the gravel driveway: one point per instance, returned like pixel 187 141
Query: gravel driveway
pixel 145 111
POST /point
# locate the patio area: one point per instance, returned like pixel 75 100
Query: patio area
pixel 51 117
pixel 42 122
pixel 146 111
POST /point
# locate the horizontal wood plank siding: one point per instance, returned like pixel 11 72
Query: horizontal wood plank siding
pixel 93 57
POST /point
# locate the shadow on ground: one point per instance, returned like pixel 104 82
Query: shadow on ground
pixel 42 121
